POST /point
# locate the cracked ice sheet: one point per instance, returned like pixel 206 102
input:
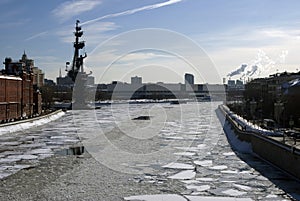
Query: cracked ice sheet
pixel 174 197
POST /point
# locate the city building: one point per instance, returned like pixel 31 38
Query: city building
pixel 65 81
pixel 239 84
pixel 19 96
pixel 273 98
pixel 188 79
pixel 231 84
pixel 49 82
pixel 136 80
pixel 138 90
pixel 38 77
pixel 235 90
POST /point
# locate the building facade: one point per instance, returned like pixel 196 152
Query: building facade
pixel 136 80
pixel 188 79
pixel 274 98
pixel 19 96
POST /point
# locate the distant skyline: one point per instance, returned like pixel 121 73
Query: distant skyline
pixel 242 38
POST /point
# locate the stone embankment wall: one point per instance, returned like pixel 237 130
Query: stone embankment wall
pixel 281 155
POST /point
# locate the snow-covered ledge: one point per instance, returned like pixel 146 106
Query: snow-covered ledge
pixel 29 123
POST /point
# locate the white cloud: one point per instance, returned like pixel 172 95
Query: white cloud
pixel 69 9
pixel 132 11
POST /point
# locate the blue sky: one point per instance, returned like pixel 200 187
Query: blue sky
pixel 260 33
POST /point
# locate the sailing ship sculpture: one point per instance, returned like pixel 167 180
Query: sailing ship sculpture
pixel 76 71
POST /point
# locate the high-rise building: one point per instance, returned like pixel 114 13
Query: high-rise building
pixel 38 77
pixel 136 80
pixel 231 83
pixel 189 78
pixel 65 81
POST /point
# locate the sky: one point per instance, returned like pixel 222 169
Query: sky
pixel 159 40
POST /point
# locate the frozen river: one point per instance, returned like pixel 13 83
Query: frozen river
pixel 183 143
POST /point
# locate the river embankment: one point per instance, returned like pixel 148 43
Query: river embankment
pixel 275 150
pixel 12 127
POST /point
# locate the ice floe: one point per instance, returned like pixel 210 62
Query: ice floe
pixel 202 146
pixel 185 153
pixel 165 197
pixel 218 167
pixel 192 181
pixel 23 157
pixel 243 187
pixel 40 151
pixel 201 198
pixel 229 154
pixel 9 160
pixel 186 174
pixel 233 192
pixel 174 197
pixel 198 188
pixel 206 179
pixel 271 196
pixel 229 171
pixel 179 166
pixel 204 163
pixel 190 149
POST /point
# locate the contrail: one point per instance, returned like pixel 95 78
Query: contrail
pixel 132 11
pixel 36 36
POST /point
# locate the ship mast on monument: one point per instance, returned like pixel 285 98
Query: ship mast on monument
pixel 77 64
pixel 76 71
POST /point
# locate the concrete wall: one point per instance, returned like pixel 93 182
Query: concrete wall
pixel 281 155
